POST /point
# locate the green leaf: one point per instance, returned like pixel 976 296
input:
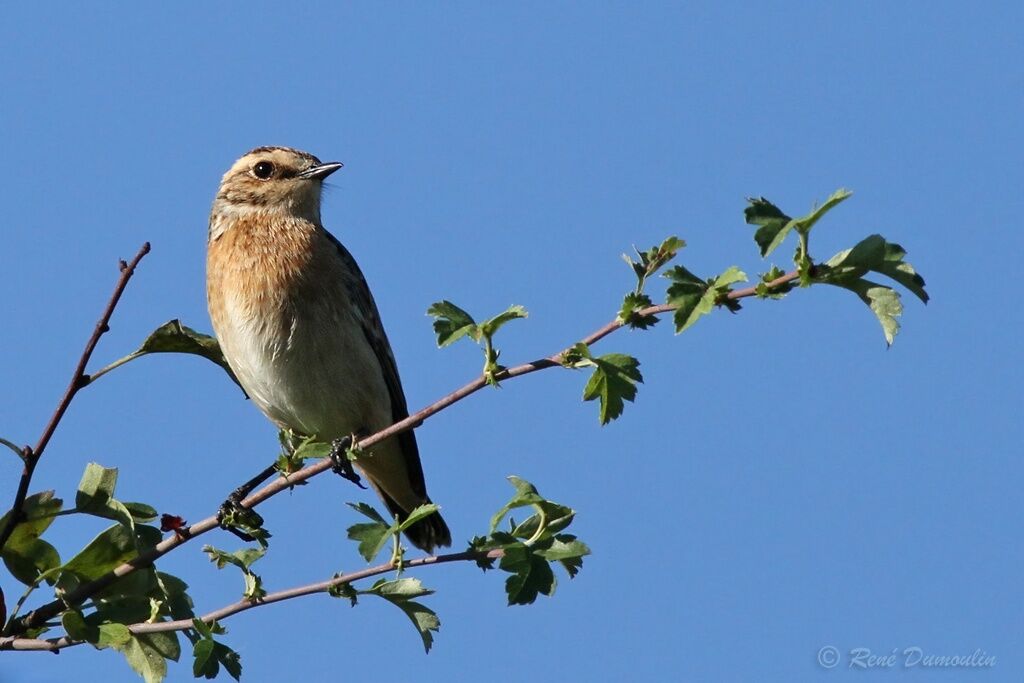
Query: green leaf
pixel 32 561
pixel 568 551
pixel 482 545
pixel 895 267
pixel 38 512
pixel 175 595
pixel 77 628
pixel 204 664
pixel 529 560
pixel 120 610
pixel 243 559
pixel 805 223
pixel 417 514
pixel 344 590
pixel 253 587
pixel 764 291
pixel 312 449
pixel 368 511
pixel 372 536
pixel 652 260
pixel 25 555
pixel 205 630
pixel 111 548
pixel 577 356
pixel 693 297
pixel 875 254
pixel 526 495
pixel 488 328
pixel 141 512
pixel 730 276
pixel 451 323
pixel 722 285
pixel 686 294
pixel 400 592
pixel 883 301
pixel 209 655
pixel 95 495
pixel 229 659
pixel 397 590
pixel 629 313
pixel 147 654
pixel 774 224
pixel 96 487
pixel 614 381
pixel 531 575
pixel 113 635
pixel 173 337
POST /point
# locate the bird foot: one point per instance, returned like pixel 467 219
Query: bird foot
pixel 341 463
pixel 243 522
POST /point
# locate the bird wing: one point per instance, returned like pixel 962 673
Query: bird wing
pixel 373 330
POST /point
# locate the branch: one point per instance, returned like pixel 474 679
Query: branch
pixel 46 612
pixel 79 380
pixel 55 644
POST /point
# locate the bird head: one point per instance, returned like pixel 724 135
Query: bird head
pixel 274 180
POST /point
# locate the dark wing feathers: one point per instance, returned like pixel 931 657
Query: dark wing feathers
pixel 373 328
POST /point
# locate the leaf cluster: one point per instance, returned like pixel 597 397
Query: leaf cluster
pixel 452 323
pixel 647 264
pixel 209 654
pixel 530 548
pixel 144 595
pixel 372 536
pixel 846 269
pixel 400 592
pixel 613 381
pixel 243 559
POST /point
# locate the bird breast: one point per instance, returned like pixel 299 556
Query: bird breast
pixel 291 335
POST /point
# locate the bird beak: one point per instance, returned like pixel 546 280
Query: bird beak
pixel 321 171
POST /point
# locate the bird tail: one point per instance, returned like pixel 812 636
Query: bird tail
pixel 426 534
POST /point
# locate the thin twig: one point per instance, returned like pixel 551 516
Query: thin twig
pixel 113 366
pixel 31 456
pixel 55 644
pixel 145 559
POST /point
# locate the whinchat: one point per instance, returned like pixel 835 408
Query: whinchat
pixel 299 327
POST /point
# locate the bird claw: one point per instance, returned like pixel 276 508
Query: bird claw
pixel 236 519
pixel 340 463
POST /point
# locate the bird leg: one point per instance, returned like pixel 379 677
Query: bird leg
pixel 234 517
pixel 342 465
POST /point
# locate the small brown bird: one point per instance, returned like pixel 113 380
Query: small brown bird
pixel 299 327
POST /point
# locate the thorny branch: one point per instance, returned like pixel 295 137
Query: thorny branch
pixel 46 612
pixel 79 379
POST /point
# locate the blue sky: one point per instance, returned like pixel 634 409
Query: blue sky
pixel 782 483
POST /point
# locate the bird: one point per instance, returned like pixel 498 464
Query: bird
pixel 299 328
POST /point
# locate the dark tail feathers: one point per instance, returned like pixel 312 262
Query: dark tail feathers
pixel 426 534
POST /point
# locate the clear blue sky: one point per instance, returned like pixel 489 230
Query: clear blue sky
pixel 783 481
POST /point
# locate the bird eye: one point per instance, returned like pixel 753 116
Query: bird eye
pixel 263 170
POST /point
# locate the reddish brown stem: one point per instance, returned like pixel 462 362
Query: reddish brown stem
pixel 79 380
pixel 55 644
